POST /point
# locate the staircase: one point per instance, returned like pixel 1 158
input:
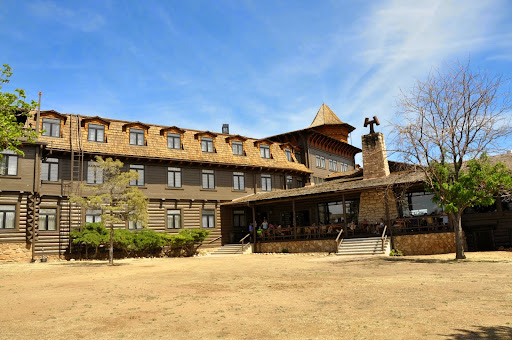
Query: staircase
pixel 364 246
pixel 232 249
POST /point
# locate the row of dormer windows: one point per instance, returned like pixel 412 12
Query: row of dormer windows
pixel 96 133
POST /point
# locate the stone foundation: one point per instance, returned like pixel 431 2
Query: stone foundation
pixel 15 252
pixel 306 246
pixel 425 244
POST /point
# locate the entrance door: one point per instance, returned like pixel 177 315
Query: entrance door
pixel 484 239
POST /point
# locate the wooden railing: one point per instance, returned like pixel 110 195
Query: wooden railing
pixel 215 239
pixel 338 240
pixel 242 241
pixel 384 237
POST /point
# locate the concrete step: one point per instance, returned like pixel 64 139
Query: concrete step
pixel 363 246
pixel 229 249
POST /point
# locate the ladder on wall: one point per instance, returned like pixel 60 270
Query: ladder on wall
pixel 76 175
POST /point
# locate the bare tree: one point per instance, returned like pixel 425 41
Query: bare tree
pixel 456 114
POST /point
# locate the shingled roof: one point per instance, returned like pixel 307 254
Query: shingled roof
pixel 117 144
pixel 325 116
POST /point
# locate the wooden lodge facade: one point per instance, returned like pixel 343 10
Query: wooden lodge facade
pixel 186 174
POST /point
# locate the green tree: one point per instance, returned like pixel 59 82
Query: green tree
pixel 446 124
pixel 118 200
pixel 14 110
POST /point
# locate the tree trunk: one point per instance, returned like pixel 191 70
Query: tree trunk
pixel 111 248
pixel 459 242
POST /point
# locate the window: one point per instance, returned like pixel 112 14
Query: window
pixel 332 212
pixel 297 157
pixel 132 225
pixel 137 137
pixel 289 182
pixel 93 216
pixel 94 173
pixel 238 181
pixel 208 220
pixel 50 170
pixel 333 165
pixel 239 218
pixel 208 179
pixel 238 148
pixel 174 219
pixel 419 204
pixel 7 216
pixel 265 151
pixel 299 183
pixel 206 144
pixel 174 177
pixel 288 154
pixel 51 127
pixel 322 162
pixel 343 167
pixel 9 163
pixel 96 133
pixel 266 183
pixel 318 163
pixel 140 170
pixel 173 141
pixel 47 219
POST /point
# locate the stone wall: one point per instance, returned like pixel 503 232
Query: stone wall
pixel 425 244
pixel 306 246
pixel 375 160
pixel 15 252
pixel 372 205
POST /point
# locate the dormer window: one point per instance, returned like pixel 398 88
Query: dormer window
pixel 136 137
pixel 96 133
pixel 206 144
pixel 288 154
pixel 173 141
pixel 238 148
pixel 265 151
pixel 51 127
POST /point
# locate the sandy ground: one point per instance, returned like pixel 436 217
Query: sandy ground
pixel 260 297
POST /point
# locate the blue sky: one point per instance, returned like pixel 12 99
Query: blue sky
pixel 264 67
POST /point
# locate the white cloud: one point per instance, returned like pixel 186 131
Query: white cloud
pixel 83 19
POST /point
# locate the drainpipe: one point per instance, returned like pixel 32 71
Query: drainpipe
pixel 36 180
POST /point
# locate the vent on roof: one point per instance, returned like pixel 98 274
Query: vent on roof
pixel 225 129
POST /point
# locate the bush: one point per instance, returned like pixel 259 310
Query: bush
pixel 91 235
pixel 285 250
pixel 396 252
pixel 187 241
pixel 123 240
pixel 148 240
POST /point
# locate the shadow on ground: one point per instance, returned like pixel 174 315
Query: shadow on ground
pixel 449 261
pixel 90 264
pixel 487 333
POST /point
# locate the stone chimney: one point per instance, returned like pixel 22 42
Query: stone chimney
pixel 375 159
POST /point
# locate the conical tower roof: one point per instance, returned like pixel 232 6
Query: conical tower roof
pixel 325 116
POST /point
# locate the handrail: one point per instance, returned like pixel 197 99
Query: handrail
pixel 337 238
pixel 384 236
pixel 215 239
pixel 242 241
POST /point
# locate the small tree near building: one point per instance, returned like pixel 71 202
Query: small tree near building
pixel 118 201
pixel 14 111
pixel 446 125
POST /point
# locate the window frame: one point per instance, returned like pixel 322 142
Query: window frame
pixel 288 153
pixel 139 168
pixel 174 171
pixel 265 151
pixel 50 164
pixel 207 144
pixel 56 221
pixel 178 214
pixel 238 146
pixel 95 128
pixel 206 213
pixel 209 175
pixel 238 180
pixel 266 182
pixel 173 137
pixel 134 225
pixel 53 124
pixel 3 217
pixel 7 159
pixel 289 182
pixel 96 216
pixel 137 133
pixel 93 169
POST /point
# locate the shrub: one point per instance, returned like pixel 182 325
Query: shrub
pixel 187 241
pixel 91 235
pixel 148 240
pixel 285 250
pixel 123 240
pixel 396 252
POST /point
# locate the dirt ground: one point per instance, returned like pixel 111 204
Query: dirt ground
pixel 260 297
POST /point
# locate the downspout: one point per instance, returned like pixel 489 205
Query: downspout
pixel 36 178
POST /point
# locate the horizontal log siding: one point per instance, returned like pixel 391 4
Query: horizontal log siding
pixel 499 222
pixel 19 233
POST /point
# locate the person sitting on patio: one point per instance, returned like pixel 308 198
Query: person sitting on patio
pixel 259 233
pixel 352 227
pixel 379 228
pixel 264 224
pixel 331 229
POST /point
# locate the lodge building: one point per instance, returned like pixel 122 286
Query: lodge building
pixel 306 179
